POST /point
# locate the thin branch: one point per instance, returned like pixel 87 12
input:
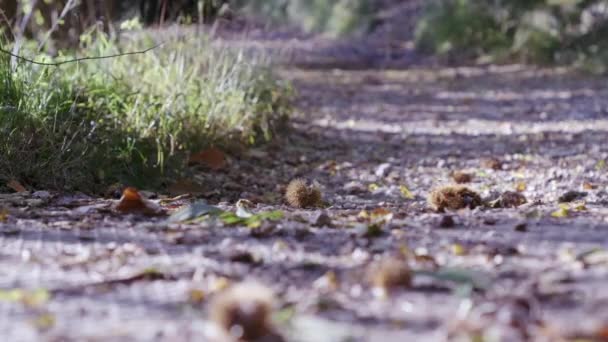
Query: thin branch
pixel 75 60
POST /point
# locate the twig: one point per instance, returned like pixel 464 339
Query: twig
pixel 78 59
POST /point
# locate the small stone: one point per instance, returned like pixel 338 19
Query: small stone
pixel 354 188
pixel 382 170
pixel 322 219
pixel 243 257
pixel 571 196
pixel 521 227
pixel 42 194
pixel 447 221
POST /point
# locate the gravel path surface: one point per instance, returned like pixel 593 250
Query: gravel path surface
pixel 377 141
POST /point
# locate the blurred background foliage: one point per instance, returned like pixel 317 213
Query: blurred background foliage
pixel 538 31
pixel 334 17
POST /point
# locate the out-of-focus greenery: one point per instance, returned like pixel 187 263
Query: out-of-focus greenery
pixel 337 17
pixel 542 31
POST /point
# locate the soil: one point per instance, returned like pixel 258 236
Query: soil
pixel 377 136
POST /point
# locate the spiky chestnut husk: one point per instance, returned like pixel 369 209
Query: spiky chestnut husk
pixel 390 273
pixel 454 197
pixel 300 194
pixel 244 311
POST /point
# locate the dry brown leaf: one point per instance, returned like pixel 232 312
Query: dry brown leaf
pixel 132 202
pixel 461 177
pixel 589 186
pixel 16 186
pixel 213 158
pixel 4 213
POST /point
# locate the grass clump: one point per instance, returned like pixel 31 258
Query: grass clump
pixel 538 31
pixel 134 118
pixel 454 197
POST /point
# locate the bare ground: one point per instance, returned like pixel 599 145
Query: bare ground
pixel 364 133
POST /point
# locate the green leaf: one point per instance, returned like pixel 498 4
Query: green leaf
pixel 231 218
pixel 253 221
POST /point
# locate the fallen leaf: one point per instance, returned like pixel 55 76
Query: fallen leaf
pixel 4 214
pixel 31 298
pixel 459 249
pixel 193 211
pixel 521 186
pixel 563 211
pixel 253 221
pixel 132 202
pixel 406 193
pixel 44 321
pixel 373 187
pixel 580 206
pixel 196 296
pixel 589 186
pixel 213 158
pixel 16 186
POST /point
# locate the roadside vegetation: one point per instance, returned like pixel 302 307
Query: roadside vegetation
pixel 335 18
pixel 562 32
pixel 131 119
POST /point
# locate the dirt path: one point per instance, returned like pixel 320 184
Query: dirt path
pixel 365 135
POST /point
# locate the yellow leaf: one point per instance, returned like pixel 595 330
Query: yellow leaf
pixel 219 284
pixel 405 192
pixel 561 212
pixel 363 214
pixel 580 206
pixel 373 187
pixel 196 296
pixel 458 249
pixel 521 186
pixel 33 298
pixel 44 321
